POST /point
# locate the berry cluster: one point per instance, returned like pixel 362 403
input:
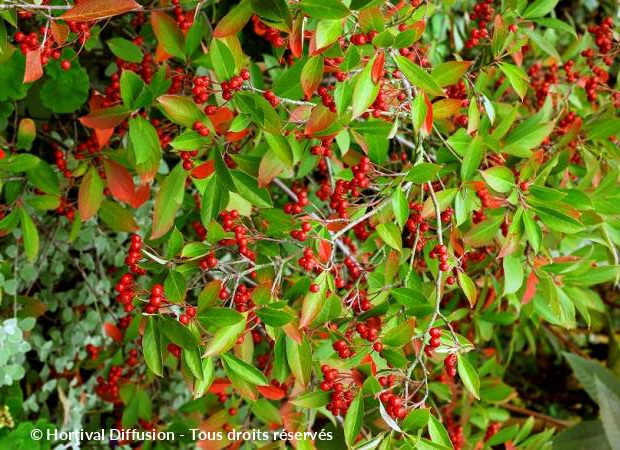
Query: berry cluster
pixel 125 291
pixel 441 253
pixel 340 399
pixel 394 405
pixel 134 255
pixel 108 389
pixel 270 34
pixel 301 234
pixel 234 84
pixel 434 342
pixel 343 349
pixel 450 364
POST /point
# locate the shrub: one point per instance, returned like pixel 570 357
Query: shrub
pixel 392 224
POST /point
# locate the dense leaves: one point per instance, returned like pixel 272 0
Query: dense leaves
pixel 385 224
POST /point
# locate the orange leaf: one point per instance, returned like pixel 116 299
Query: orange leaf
pixel 103 136
pixel 219 386
pixel 446 107
pixel 320 119
pixel 427 126
pixel 377 67
pixel 60 32
pixel 271 392
pixel 160 54
pixel 88 10
pixel 113 332
pixel 234 21
pixel 203 170
pixel 269 168
pixel 105 118
pixel 141 195
pixel 296 41
pixel 530 288
pixel 120 181
pixel 325 250
pixel 34 69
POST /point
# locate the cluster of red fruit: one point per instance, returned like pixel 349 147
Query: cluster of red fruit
pixel 30 42
pixel 340 399
pixel 109 389
pixel 358 301
pixel 61 161
pixel 343 188
pixel 450 364
pixel 301 234
pixel 82 29
pixel 228 223
pixel 186 157
pixel 302 200
pixel 125 291
pixel 271 98
pixel 93 351
pixel 201 89
pixel 434 342
pixel 363 39
pixel 243 300
pixel 270 34
pixel 342 348
pixel 483 13
pixel 440 252
pixel 209 261
pixel 184 19
pixel 234 84
pixel 134 255
pixel 327 99
pixel 66 209
pixel 308 261
pixel 394 405
pixel 190 313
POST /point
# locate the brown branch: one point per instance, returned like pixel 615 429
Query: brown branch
pixel 544 417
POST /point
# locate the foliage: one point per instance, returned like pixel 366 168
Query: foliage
pixel 382 220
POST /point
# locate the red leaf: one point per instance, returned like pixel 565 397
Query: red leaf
pixel 219 386
pixel 141 195
pixel 234 21
pixel 377 67
pixel 311 75
pixel 105 118
pixel 530 288
pixel 296 41
pixel 325 250
pixel 34 69
pixel 272 392
pixel 427 126
pixel 222 119
pixel 203 170
pixel 160 54
pixel 270 167
pixel 90 194
pixel 60 32
pixel 88 10
pixel 113 332
pixel 320 119
pixel 103 136
pixel 120 182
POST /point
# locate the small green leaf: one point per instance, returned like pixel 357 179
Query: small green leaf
pixel 539 8
pixel 400 205
pixel 353 419
pixel 30 235
pixel 151 347
pixel 419 77
pixel 517 77
pixel 423 172
pixel 499 178
pixel 168 200
pixel 244 370
pixel 125 49
pixel 390 234
pixel 468 375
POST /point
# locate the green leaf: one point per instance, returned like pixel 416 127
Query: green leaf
pixel 168 200
pixel 191 357
pixel 499 178
pixel 90 194
pixel 532 231
pixel 145 143
pixel 244 370
pixel 539 8
pixel 222 59
pixel 365 90
pixel 517 77
pixel 181 110
pixel 609 404
pixel 208 374
pixel 469 288
pixel 214 200
pixel 30 235
pixel 134 92
pixel 400 205
pixel 588 371
pixel 450 72
pixel 178 333
pixel 327 32
pixel 513 273
pixel 311 75
pixel 116 217
pixel 235 20
pixel 483 232
pixel 312 400
pixel 248 189
pixel 125 49
pixel 602 128
pixel 325 9
pixel 281 148
pixel 299 357
pixel 472 159
pixel 423 172
pixel 390 234
pixel 399 335
pixel 168 34
pixel 584 435
pixel 67 91
pixel 416 419
pixel 151 347
pixel 175 286
pixel 558 221
pixel 274 317
pixel 220 317
pixel 526 136
pixel 224 339
pixel 44 202
pixel 556 24
pixel 353 419
pixel 438 432
pixel 418 76
pixel 275 11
